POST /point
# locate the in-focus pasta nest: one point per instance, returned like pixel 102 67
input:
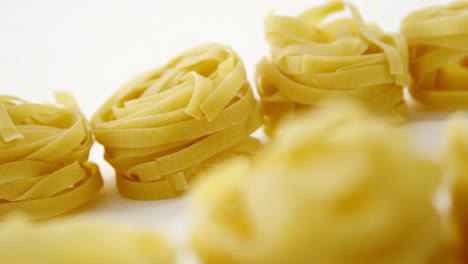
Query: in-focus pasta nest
pixel 438 44
pixel 166 125
pixel 313 59
pixel 43 158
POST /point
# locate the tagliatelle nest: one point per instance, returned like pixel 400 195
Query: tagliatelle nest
pixel 335 186
pixel 438 43
pixel 43 158
pixel 314 60
pixel 78 242
pixel 166 125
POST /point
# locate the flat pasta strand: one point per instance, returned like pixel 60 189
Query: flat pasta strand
pixel 43 158
pixel 313 61
pixel 438 55
pixel 165 126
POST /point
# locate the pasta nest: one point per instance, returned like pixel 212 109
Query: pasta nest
pixel 314 59
pixel 438 51
pixel 166 125
pixel 335 186
pixel 43 158
pixel 78 242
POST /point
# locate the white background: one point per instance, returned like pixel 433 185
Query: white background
pixel 92 47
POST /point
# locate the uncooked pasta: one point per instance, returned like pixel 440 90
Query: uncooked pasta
pixel 78 242
pixel 438 55
pixel 334 186
pixel 455 160
pixel 43 158
pixel 166 125
pixel 314 59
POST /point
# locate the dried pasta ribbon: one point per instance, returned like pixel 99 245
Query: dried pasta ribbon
pixel 313 61
pixel 330 178
pixel 166 125
pixel 438 55
pixel 72 241
pixel 43 158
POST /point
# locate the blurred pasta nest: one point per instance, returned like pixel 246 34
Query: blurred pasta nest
pixel 334 186
pixel 166 125
pixel 314 58
pixel 92 242
pixel 438 44
pixel 43 157
pixel 456 225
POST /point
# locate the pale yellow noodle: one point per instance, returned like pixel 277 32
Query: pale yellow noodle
pixel 438 55
pixel 335 186
pixel 43 158
pixel 79 242
pixel 166 125
pixel 455 160
pixel 313 60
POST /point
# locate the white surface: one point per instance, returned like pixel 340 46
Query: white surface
pixel 92 47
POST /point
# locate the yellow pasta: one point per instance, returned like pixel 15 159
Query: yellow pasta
pixel 334 186
pixel 457 167
pixel 43 158
pixel 314 60
pixel 74 242
pixel 168 124
pixel 438 55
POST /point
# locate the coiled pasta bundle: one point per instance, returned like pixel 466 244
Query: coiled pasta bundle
pixel 313 60
pixel 43 158
pixel 78 242
pixel 334 186
pixel 168 124
pixel 438 55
